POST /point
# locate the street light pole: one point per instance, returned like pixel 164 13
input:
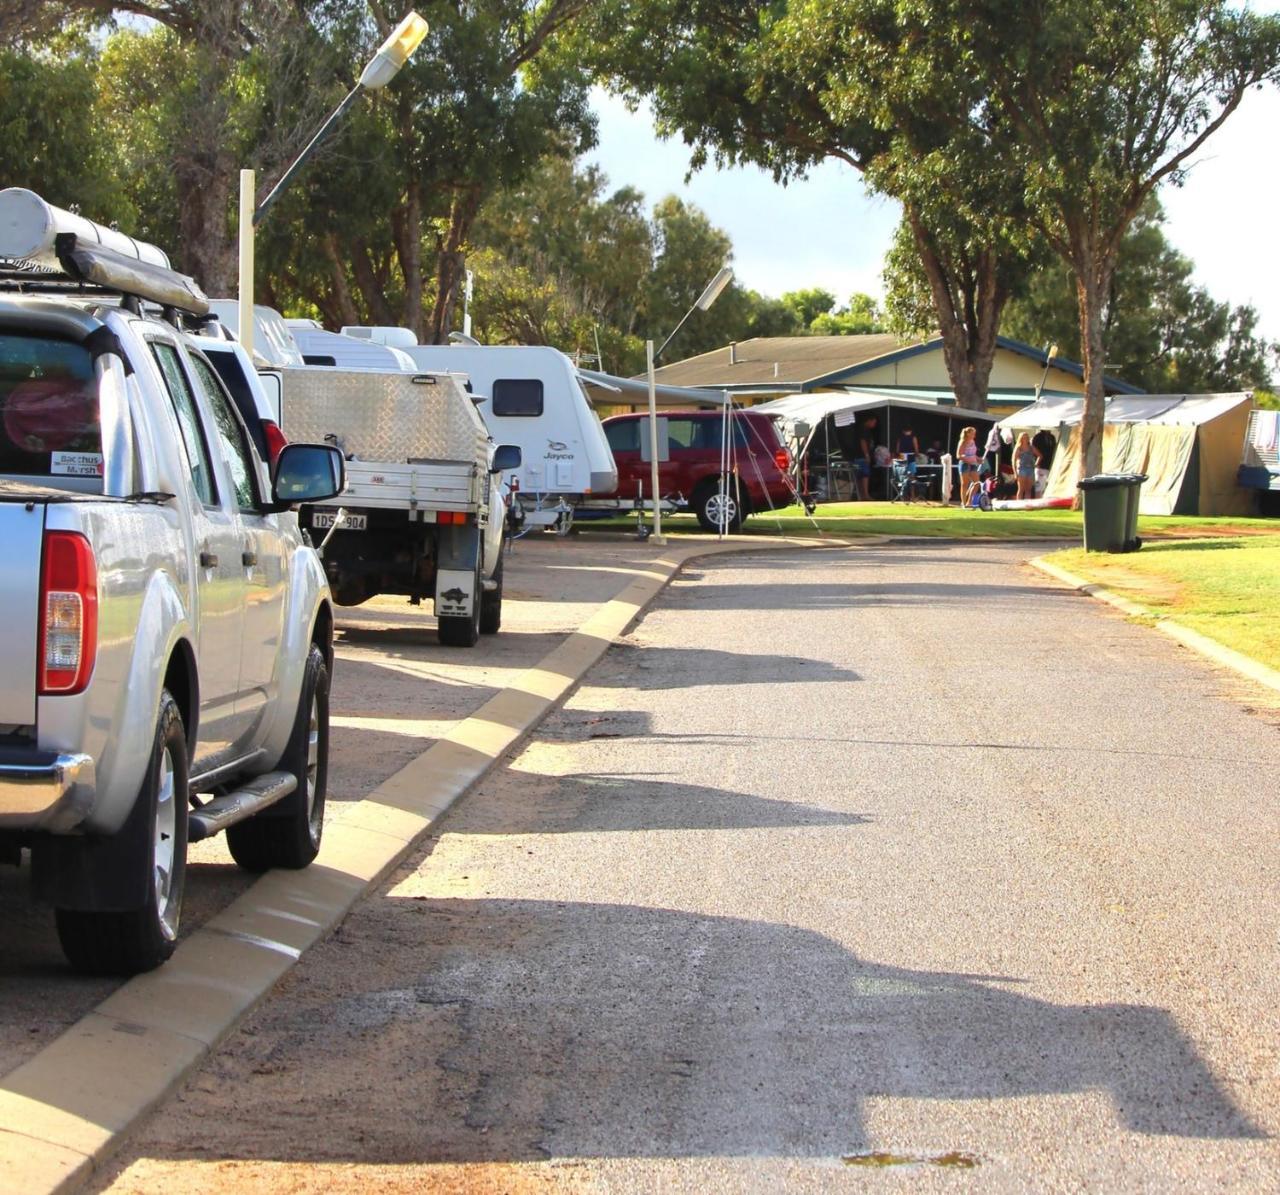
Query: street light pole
pixel 391 56
pixel 709 295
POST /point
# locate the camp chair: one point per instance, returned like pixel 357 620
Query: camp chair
pixel 902 481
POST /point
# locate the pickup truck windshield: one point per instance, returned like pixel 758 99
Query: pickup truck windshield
pixel 48 409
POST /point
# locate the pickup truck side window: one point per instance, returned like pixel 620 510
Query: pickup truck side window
pixel 517 396
pixel 230 436
pixel 184 405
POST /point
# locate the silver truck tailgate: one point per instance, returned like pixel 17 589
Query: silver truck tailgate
pixel 21 531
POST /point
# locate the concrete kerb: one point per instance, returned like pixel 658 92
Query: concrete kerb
pixel 1205 646
pixel 67 1109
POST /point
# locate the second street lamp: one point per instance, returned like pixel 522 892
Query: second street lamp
pixel 391 56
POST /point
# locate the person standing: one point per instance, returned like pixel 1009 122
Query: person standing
pixel 967 458
pixel 908 449
pixel 1024 466
pixel 867 447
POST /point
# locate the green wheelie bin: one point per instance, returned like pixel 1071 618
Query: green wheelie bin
pixel 1133 495
pixel 1106 511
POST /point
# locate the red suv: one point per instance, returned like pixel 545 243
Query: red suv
pixel 691 475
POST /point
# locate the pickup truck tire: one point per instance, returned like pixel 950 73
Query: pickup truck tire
pixel 491 605
pixel 136 940
pixel 464 630
pixel 706 505
pixel 287 834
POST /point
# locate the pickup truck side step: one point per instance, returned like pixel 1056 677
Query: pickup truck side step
pixel 216 815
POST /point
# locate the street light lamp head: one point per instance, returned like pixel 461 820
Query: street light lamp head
pixel 714 288
pixel 394 52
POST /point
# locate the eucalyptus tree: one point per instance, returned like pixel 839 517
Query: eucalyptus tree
pixel 786 84
pixel 1109 101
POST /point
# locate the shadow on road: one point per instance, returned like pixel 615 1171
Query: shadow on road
pixel 501 1030
pixel 587 803
pixel 653 667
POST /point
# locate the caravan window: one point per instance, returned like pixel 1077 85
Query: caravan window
pixel 517 396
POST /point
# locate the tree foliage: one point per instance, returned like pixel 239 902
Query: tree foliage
pixel 1108 102
pixel 1162 332
pixel 51 143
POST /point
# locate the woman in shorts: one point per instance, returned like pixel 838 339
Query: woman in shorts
pixel 967 457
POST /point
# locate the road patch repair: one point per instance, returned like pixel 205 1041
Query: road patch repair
pixel 1209 648
pixel 76 1098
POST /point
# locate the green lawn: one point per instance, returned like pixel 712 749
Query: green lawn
pixel 888 518
pixel 1227 589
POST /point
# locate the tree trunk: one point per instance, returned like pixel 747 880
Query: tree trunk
pixel 207 250
pixel 339 301
pixel 410 254
pixel 968 310
pixel 1093 281
pixel 450 264
pixel 372 292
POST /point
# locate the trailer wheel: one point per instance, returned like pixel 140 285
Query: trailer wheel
pixel 111 942
pixel 463 630
pixel 287 834
pixel 491 604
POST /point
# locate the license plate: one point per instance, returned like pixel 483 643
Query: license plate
pixel 320 520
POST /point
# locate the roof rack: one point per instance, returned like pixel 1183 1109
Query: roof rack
pixel 44 249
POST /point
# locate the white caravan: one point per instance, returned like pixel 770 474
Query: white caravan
pixel 534 399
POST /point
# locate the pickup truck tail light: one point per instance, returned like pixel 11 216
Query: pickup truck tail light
pixel 68 614
pixel 452 517
pixel 275 441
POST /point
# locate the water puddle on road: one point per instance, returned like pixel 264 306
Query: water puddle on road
pixel 955 1160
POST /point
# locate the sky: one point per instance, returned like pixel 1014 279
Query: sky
pixel 827 231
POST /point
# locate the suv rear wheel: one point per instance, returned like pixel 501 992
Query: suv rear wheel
pixel 715 510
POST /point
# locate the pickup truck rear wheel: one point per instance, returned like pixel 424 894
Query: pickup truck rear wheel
pixel 287 834
pixel 463 630
pixel 491 605
pixel 136 940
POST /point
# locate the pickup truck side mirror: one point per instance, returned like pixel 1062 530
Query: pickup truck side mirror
pixel 505 458
pixel 308 473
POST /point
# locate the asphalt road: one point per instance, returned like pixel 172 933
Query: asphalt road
pixel 894 866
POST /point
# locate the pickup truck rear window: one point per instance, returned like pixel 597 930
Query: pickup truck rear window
pixel 48 408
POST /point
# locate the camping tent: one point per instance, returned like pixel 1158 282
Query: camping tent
pixel 819 428
pixel 1188 445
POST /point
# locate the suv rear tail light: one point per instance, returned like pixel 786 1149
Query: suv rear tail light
pixel 782 458
pixel 275 441
pixel 68 643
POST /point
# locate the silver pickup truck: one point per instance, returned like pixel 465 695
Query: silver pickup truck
pixel 165 626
